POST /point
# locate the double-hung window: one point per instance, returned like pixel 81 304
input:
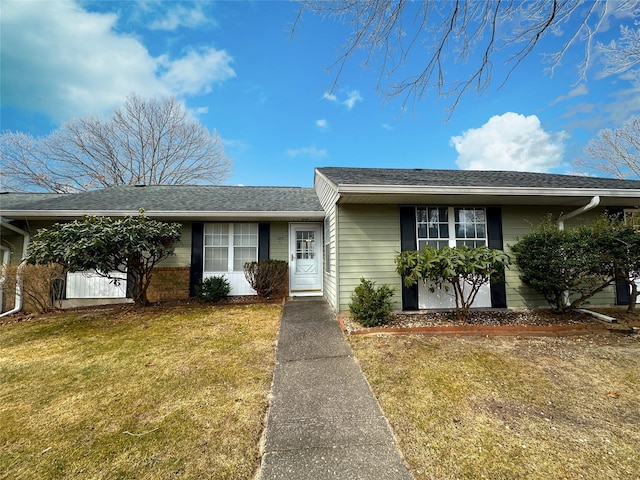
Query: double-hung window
pixel 228 246
pixel 451 226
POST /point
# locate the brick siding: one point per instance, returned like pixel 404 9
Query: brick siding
pixel 169 283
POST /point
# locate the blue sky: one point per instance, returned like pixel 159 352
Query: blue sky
pixel 240 71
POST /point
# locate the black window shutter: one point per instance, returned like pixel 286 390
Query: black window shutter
pixel 495 241
pixel 623 290
pixel 408 242
pixel 264 232
pixel 197 258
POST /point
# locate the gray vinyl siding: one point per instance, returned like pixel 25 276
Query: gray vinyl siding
pixel 330 267
pixel 182 252
pixel 519 221
pixel 369 240
pixel 328 196
pixel 279 241
pixel 14 241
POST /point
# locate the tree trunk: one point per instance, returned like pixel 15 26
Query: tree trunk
pixel 633 297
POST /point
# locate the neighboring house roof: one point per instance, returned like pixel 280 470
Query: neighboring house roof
pixel 384 185
pixel 173 201
pixel 10 200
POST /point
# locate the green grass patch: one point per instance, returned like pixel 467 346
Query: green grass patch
pixel 506 408
pixel 144 393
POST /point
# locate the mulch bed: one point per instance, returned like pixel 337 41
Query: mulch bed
pixel 490 322
pixel 491 317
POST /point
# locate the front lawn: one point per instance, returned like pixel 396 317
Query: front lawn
pixel 509 408
pixel 152 393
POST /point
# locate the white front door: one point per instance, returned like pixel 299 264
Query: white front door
pixel 305 259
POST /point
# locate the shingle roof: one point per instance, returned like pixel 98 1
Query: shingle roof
pixel 468 178
pixel 168 198
pixel 10 201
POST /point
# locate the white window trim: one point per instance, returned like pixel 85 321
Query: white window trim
pixel 451 221
pixel 230 248
pixel 327 245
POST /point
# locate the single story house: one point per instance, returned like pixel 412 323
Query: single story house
pixel 350 225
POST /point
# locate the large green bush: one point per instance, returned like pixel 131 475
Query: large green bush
pixel 267 277
pixel 566 266
pixel 370 305
pixel 463 269
pixel 619 241
pixel 133 245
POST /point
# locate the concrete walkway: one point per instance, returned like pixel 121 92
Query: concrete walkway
pixel 323 421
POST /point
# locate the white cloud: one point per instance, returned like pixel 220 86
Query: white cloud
pixel 311 151
pixel 64 61
pixel 576 92
pixel 329 96
pixel 352 97
pixel 322 123
pixel 199 110
pixel 180 16
pixel 197 70
pixel 509 142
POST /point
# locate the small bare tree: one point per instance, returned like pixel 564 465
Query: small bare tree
pixel 478 34
pixel 615 152
pixel 152 142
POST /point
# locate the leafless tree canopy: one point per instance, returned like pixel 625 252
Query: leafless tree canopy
pixel 615 152
pixel 152 142
pixel 624 55
pixel 476 34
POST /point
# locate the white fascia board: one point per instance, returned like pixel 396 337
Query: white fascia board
pixel 318 173
pixel 346 189
pixel 280 215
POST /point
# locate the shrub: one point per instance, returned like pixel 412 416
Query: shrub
pixel 267 277
pixel 369 305
pixel 463 269
pixel 214 289
pixel 566 266
pixel 132 245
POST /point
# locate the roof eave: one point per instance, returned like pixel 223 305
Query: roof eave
pixel 190 215
pixel 346 189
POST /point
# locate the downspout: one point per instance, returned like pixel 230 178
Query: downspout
pixel 25 245
pixel 6 257
pixel 595 201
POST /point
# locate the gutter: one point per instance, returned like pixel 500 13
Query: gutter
pixel 19 283
pixel 297 215
pixel 595 201
pixel 499 191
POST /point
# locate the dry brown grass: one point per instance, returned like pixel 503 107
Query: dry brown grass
pixel 153 393
pixel 507 408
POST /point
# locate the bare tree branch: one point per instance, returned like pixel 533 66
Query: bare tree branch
pixel 476 34
pixel 615 152
pixel 624 55
pixel 152 142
